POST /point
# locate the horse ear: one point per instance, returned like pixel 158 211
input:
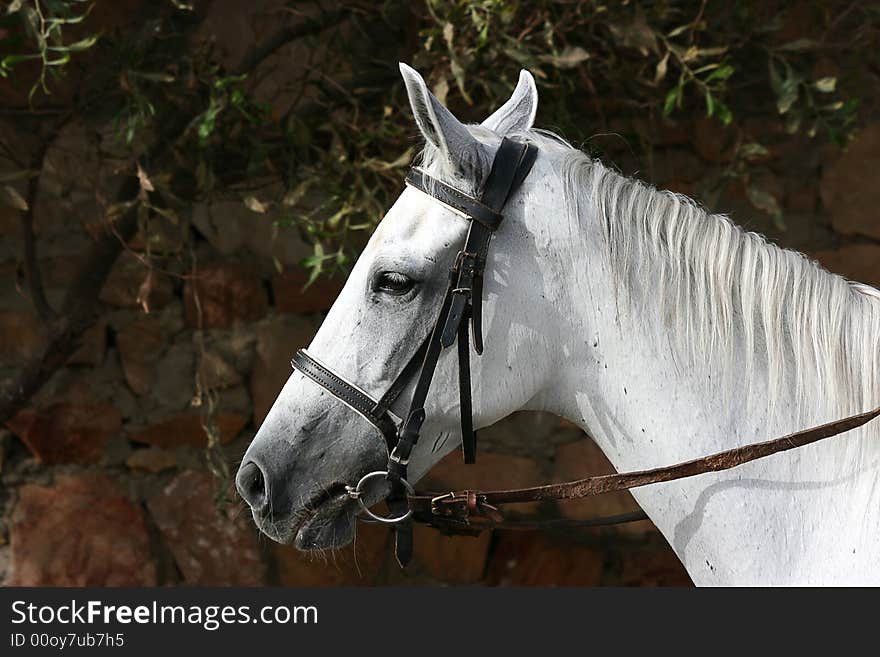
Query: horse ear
pixel 442 129
pixel 518 113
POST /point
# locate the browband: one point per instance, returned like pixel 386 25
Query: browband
pixel 455 199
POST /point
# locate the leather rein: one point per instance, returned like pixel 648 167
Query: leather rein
pixel 460 318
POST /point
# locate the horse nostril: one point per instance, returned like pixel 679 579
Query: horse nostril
pixel 251 484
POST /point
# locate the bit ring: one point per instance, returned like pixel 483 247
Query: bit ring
pixel 357 494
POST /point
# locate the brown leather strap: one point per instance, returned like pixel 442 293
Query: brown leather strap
pixel 469 511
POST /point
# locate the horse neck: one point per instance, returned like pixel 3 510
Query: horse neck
pixel 809 516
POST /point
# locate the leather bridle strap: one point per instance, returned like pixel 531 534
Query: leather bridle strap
pixel 511 165
pixel 352 396
pixel 470 512
pixel 376 412
pixel 463 299
pixel 455 199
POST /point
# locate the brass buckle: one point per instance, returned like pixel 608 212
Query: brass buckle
pixel 435 509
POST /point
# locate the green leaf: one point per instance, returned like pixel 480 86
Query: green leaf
pixel 569 58
pixel 61 61
pixel 73 20
pixel 753 151
pixel 672 97
pixel 13 199
pixel 22 174
pixel 206 127
pixel 222 83
pixel 788 94
pixel 723 112
pixel 721 73
pixel 11 60
pixel 153 77
pixel 850 105
pixel 826 85
pixel 254 204
pixel 678 30
pixel 458 74
pixel 797 45
pixel 660 71
pixel 710 103
pixel 77 46
pixel 380 165
pixel 441 90
pixel 765 201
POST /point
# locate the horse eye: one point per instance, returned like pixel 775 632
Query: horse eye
pixel 393 282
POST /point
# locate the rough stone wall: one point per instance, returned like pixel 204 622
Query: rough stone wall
pixel 104 477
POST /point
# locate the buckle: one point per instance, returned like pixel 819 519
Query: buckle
pixel 435 509
pixel 462 514
pixel 401 452
pixel 394 458
pixel 465 257
pixel 467 508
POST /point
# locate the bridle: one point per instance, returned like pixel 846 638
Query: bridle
pixel 460 314
pixel 460 317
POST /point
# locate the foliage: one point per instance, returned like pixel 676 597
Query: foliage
pixel 616 63
pixel 340 148
pixel 44 25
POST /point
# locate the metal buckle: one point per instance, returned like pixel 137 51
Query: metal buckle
pixel 357 494
pixel 435 510
pixel 394 457
pixel 461 256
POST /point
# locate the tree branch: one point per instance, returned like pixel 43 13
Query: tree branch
pixel 80 306
pixel 77 314
pixel 31 266
pixel 285 35
pixel 30 262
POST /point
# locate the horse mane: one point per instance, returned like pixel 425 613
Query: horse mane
pixel 728 298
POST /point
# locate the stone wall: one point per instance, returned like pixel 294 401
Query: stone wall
pixel 105 479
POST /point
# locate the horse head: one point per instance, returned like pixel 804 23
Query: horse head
pixel 311 445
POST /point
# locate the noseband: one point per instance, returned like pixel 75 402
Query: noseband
pixel 460 314
pixel 470 512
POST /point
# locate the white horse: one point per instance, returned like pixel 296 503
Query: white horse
pixel 665 332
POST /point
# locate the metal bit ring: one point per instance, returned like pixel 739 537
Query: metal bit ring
pixel 357 494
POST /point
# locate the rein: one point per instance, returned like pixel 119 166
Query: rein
pixel 471 512
pixel 460 319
